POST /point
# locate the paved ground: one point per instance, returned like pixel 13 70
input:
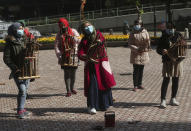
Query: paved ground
pixel 135 111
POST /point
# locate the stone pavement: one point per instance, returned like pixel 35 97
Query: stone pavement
pixel 135 111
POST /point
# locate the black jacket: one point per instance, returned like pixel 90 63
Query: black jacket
pixel 164 43
pixel 14 54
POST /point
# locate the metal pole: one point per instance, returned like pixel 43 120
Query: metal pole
pixel 46 20
pixel 155 22
pixel 169 13
pixel 93 15
pixel 117 11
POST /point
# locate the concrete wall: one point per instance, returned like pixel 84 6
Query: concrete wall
pixel 118 21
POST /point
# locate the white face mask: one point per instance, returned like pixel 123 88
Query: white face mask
pixel 89 29
pixel 137 27
pixel 170 31
pixel 20 33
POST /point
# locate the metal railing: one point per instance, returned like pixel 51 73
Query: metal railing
pixel 100 14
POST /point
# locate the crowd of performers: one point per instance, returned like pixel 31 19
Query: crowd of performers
pixel 98 76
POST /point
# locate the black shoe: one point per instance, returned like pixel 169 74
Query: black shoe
pixel 27 97
pixel 22 114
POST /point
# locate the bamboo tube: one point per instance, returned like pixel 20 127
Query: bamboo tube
pixel 2 83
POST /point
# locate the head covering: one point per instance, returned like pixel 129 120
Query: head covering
pixel 66 24
pixel 12 30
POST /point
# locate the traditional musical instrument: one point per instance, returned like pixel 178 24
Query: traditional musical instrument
pixel 2 83
pixel 69 56
pixel 177 50
pixel 29 68
pixel 96 50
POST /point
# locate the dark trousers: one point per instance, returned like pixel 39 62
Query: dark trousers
pixel 69 78
pixel 137 74
pixel 98 99
pixel 175 81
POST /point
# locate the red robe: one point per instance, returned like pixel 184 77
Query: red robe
pixel 104 75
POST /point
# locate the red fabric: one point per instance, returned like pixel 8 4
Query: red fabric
pixel 70 33
pixel 28 34
pixel 105 80
pixel 65 22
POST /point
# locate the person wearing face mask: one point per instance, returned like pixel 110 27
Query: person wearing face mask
pixel 139 43
pixel 27 33
pixel 171 68
pixel 98 77
pixel 73 38
pixel 13 57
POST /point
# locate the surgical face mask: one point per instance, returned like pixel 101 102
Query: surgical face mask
pixel 170 31
pixel 89 29
pixel 20 33
pixel 137 27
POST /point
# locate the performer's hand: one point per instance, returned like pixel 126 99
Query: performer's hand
pixel 164 52
pixel 99 42
pixel 139 50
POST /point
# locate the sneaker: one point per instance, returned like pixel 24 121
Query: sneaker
pixel 173 102
pixel 68 94
pixel 22 114
pixel 91 111
pixel 163 104
pixel 74 92
pixel 135 89
pixel 141 87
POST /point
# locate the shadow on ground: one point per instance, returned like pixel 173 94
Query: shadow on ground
pixel 32 96
pixel 88 125
pixel 126 74
pixel 134 105
pixel 44 111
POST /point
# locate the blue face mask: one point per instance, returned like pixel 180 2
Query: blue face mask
pixel 137 27
pixel 170 31
pixel 89 29
pixel 20 33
